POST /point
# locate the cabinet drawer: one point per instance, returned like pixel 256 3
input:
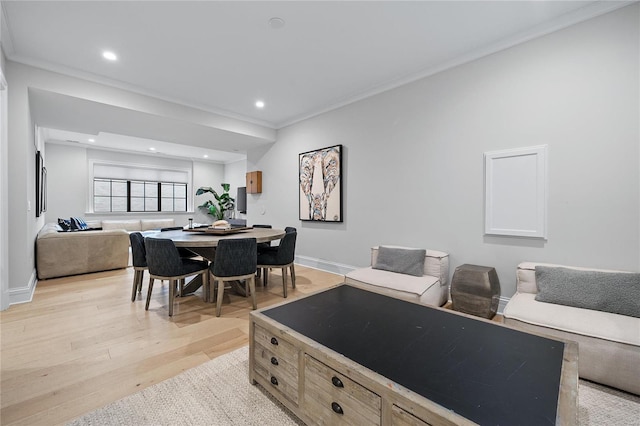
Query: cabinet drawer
pixel 276 363
pixel 400 417
pixel 330 398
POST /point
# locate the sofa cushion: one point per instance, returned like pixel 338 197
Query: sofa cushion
pixel 603 325
pixel 148 224
pixel 128 225
pixel 614 292
pixel 400 282
pixel 64 224
pixel 401 260
pixel 78 223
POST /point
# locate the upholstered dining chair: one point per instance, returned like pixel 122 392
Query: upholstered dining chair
pixel 165 263
pixel 266 245
pixel 235 260
pixel 184 252
pixel 139 260
pixel 280 257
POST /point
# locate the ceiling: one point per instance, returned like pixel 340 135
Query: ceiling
pixel 223 56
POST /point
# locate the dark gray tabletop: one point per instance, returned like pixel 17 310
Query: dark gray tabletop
pixel 490 374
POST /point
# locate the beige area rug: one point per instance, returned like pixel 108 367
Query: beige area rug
pixel 218 393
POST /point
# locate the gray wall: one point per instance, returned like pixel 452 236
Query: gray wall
pixel 413 156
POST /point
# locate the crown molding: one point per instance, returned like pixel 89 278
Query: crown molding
pixel 583 14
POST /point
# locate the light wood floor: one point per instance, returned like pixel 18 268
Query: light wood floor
pixel 81 343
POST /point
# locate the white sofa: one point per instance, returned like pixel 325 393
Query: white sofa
pixel 60 254
pixel 432 288
pixel 609 343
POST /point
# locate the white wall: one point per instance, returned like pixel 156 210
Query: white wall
pixel 21 155
pixel 235 174
pixel 413 156
pixel 206 175
pixel 68 187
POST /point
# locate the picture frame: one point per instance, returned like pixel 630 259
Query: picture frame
pixel 516 188
pixel 320 185
pixel 41 185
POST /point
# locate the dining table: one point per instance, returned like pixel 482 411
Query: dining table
pixel 203 242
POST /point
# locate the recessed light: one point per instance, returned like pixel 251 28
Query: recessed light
pixel 205 156
pixel 92 140
pixel 152 149
pixel 276 23
pixel 109 55
pixel 259 104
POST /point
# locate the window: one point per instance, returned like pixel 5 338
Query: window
pixel 118 195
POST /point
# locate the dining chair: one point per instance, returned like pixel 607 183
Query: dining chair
pixel 235 260
pixel 165 263
pixel 282 257
pixel 139 260
pixel 184 252
pixel 266 245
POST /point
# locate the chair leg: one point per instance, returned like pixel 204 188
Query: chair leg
pixel 293 276
pixel 172 295
pixel 140 279
pixel 219 298
pixel 252 288
pixel 134 290
pixel 149 289
pixel 265 276
pixel 284 282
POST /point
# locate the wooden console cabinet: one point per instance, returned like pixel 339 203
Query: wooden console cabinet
pixel 324 387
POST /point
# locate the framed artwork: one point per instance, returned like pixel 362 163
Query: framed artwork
pixel 320 184
pixel 40 184
pixel 516 192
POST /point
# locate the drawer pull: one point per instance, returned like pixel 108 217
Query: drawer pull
pixel 274 361
pixel 274 381
pixel 337 382
pixel 274 341
pixel 336 408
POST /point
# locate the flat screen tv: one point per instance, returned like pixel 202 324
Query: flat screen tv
pixel 241 199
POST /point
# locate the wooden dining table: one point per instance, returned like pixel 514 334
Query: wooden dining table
pixel 203 242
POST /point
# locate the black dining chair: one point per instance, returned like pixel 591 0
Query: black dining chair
pixel 139 260
pixel 266 245
pixel 165 263
pixel 184 252
pixel 282 257
pixel 235 260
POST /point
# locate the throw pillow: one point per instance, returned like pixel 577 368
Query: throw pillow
pixel 78 223
pixel 65 224
pixel 614 292
pixel 402 260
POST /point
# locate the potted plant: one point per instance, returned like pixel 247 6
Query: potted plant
pixel 223 202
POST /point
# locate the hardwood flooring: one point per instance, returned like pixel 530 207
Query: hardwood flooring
pixel 81 343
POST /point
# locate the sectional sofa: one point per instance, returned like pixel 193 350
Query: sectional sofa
pixel 60 254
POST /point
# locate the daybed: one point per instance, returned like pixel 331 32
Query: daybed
pixel 429 288
pixel 609 343
pixel 59 254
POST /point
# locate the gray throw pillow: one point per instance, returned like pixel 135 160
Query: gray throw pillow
pixel 615 292
pixel 401 260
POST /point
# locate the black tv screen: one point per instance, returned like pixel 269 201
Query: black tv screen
pixel 241 199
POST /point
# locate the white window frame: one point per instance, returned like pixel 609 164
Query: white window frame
pixel 94 162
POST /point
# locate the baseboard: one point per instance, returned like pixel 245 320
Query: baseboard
pixel 342 269
pixel 324 265
pixel 23 294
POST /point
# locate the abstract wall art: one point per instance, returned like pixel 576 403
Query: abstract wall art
pixel 320 184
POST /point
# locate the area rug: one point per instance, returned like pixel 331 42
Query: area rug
pixel 218 393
